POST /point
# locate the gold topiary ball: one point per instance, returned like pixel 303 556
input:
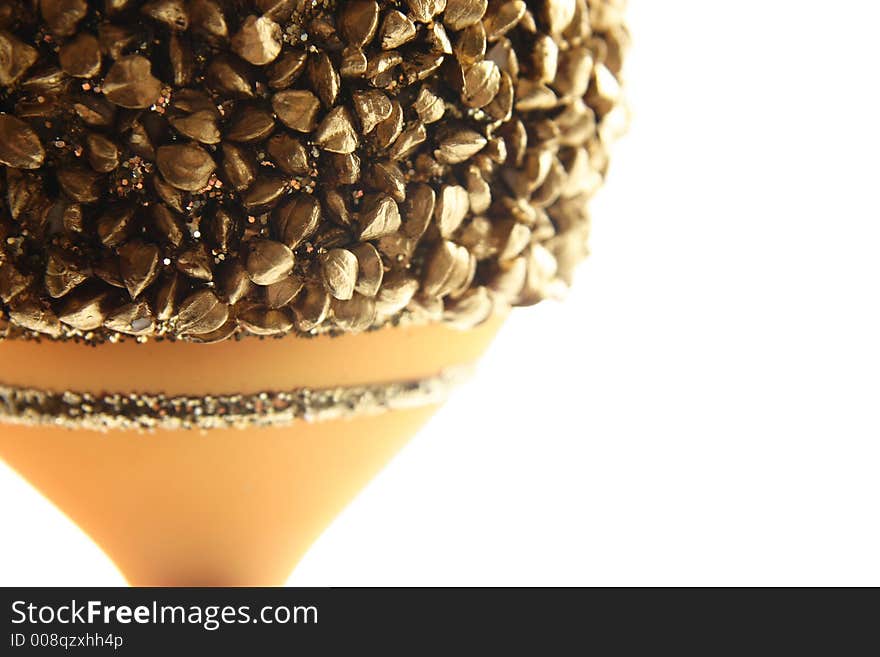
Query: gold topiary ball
pixel 215 168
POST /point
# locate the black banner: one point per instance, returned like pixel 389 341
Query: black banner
pixel 413 621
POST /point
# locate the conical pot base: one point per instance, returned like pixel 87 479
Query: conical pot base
pixel 223 506
pixel 227 508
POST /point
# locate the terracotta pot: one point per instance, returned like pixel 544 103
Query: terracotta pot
pixel 222 506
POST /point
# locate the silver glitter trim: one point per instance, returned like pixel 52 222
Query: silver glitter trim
pixel 145 412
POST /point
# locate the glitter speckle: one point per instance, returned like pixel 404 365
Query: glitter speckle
pixel 134 411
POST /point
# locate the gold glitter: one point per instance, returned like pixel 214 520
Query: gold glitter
pixel 148 412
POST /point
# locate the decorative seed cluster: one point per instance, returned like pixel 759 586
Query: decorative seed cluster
pixel 75 410
pixel 200 169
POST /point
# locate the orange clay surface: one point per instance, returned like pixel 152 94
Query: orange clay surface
pixel 224 507
pixel 250 365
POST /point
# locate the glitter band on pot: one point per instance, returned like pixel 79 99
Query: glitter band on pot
pixel 206 169
pixel 137 411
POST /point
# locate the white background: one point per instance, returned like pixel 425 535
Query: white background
pixel 703 410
